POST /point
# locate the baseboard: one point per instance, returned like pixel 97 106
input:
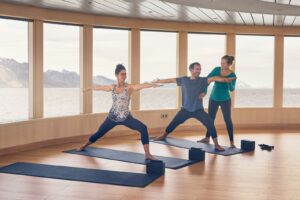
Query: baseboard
pixel 152 131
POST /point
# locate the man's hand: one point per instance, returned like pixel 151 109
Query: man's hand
pixel 202 95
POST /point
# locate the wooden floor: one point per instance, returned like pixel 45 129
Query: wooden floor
pixel 257 175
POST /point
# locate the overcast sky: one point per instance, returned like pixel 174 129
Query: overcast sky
pixel 254 64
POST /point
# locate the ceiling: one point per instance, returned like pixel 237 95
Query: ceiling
pixel 249 12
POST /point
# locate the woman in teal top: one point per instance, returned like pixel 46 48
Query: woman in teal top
pixel 220 96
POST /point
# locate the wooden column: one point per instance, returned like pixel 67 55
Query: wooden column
pixel 35 58
pixel 181 59
pixel 86 68
pixel 134 64
pixel 278 71
pixel 230 50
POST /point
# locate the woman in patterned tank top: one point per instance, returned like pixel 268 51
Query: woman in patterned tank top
pixel 119 113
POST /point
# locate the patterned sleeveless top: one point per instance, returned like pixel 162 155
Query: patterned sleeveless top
pixel 120 107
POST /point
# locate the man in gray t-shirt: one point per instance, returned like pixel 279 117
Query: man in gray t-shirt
pixel 193 90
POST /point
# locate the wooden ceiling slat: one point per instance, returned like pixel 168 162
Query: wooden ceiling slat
pixel 289 20
pixel 247 18
pixel 200 15
pixel 181 10
pixel 212 15
pixel 155 9
pixel 236 17
pixel 297 22
pixel 268 19
pixel 295 2
pixel 156 5
pixel 148 12
pixel 117 4
pixel 278 20
pixel 204 15
pixel 226 18
pixel 287 2
pixel 162 10
pixel 97 6
pixel 258 19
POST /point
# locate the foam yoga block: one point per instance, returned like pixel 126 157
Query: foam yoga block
pixel 247 145
pixel 155 167
pixel 196 154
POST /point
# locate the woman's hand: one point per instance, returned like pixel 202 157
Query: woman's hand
pixel 87 89
pixel 228 80
pixel 155 85
pixel 220 79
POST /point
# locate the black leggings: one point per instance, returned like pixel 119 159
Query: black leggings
pixel 226 110
pixel 200 115
pixel 130 122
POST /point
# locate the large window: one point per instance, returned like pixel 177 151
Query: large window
pixel 61 70
pixel 207 49
pixel 158 60
pixel 255 71
pixel 291 84
pixel 14 105
pixel 110 48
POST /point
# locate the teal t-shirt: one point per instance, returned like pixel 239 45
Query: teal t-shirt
pixel 220 91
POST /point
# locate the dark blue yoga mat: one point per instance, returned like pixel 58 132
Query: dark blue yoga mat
pixel 80 174
pixel 131 157
pixel 209 148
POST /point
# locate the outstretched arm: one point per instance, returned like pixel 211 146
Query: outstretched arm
pixel 137 87
pixel 231 85
pixel 220 79
pixel 169 80
pixel 106 88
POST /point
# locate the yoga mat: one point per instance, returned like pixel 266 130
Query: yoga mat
pixel 209 148
pixel 131 157
pixel 80 174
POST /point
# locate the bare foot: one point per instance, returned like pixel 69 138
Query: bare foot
pixel 204 140
pixel 232 145
pixel 160 138
pixel 81 148
pixel 150 157
pixel 219 148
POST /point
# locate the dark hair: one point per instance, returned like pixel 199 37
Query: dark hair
pixel 228 58
pixel 192 66
pixel 119 68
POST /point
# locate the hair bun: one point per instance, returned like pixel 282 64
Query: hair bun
pixel 229 59
pixel 119 68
